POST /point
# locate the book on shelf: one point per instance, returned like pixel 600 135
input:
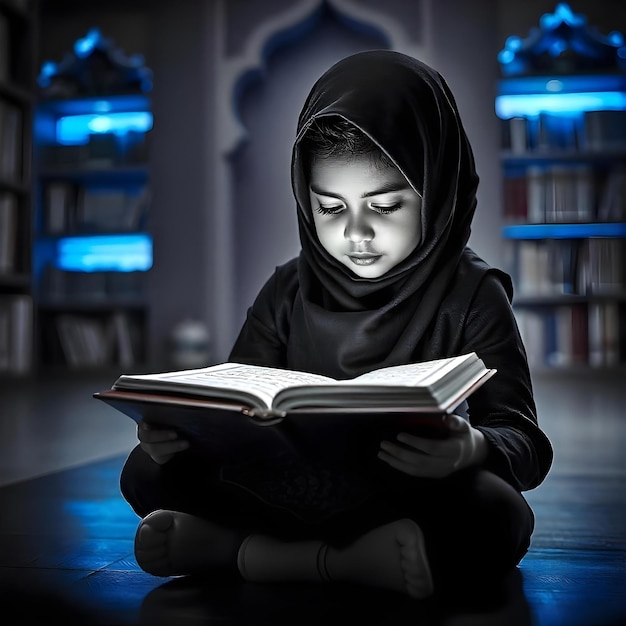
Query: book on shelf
pixel 515 135
pixel 515 198
pixel 592 334
pixel 570 266
pixel 111 209
pixel 560 193
pixel 531 268
pixel 97 341
pixel 536 194
pixel 612 201
pixel 59 207
pixel 227 406
pixel 91 287
pixel 10 141
pixel 566 336
pixel 606 333
pixel 604 266
pixel 8 232
pixel 84 341
pixel 556 132
pixel 16 334
pixel 605 130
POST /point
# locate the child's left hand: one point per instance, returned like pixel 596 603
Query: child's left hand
pixel 436 458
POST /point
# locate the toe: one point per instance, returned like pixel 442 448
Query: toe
pixel 161 520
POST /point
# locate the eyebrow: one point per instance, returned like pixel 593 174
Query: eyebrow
pixel 386 188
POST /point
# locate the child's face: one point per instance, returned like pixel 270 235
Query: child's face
pixel 366 215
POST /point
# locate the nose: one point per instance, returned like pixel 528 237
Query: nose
pixel 358 228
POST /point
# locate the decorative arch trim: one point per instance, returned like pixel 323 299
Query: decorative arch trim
pixel 286 27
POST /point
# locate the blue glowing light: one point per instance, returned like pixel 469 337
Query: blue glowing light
pixel 564 231
pixel 563 14
pixel 75 129
pixel 109 253
pixel 83 47
pixel 562 36
pixel 531 105
pixel 47 72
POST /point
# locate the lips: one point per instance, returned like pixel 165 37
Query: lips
pixel 362 258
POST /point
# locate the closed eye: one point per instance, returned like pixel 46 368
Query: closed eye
pixel 329 210
pixel 386 208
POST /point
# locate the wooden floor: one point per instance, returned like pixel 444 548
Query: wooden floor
pixel 66 536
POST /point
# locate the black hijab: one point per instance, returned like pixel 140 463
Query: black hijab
pixel 345 324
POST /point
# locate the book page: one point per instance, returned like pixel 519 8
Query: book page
pixel 411 373
pixel 258 380
pixel 263 382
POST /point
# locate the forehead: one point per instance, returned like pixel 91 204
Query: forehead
pixel 361 169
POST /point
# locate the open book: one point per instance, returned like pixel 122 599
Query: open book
pixel 280 434
pixel 302 416
pixel 435 386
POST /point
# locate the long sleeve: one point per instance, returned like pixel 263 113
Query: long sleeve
pixel 264 334
pixel 504 408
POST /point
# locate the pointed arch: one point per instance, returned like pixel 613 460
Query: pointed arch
pixel 235 73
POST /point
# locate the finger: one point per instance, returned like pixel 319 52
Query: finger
pixel 456 423
pixel 170 447
pixel 401 452
pixel 430 469
pixel 156 435
pixel 164 448
pixel 414 461
pixel 423 444
pixel 449 448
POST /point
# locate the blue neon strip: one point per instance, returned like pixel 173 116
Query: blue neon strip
pixel 76 129
pixel 578 83
pixel 528 105
pixel 564 231
pixel 113 104
pixel 110 253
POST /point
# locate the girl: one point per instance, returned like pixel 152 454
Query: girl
pixel 385 187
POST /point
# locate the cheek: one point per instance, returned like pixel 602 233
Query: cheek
pixel 405 236
pixel 411 227
pixel 405 228
pixel 328 230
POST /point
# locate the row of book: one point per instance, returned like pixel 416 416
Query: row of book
pixel 565 193
pixel 96 341
pixel 71 208
pixel 565 336
pixel 589 131
pixel 59 285
pixel 10 141
pixel 100 150
pixel 595 266
pixel 16 334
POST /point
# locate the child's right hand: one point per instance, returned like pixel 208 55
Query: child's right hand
pixel 159 443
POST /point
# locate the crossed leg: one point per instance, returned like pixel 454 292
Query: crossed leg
pixel 393 556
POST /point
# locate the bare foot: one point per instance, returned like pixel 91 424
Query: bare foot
pixel 171 543
pixel 390 557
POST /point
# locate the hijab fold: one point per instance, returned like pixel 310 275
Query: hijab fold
pixel 346 324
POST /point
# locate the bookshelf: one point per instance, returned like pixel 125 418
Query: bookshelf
pixel 18 23
pixel 562 105
pixel 92 245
